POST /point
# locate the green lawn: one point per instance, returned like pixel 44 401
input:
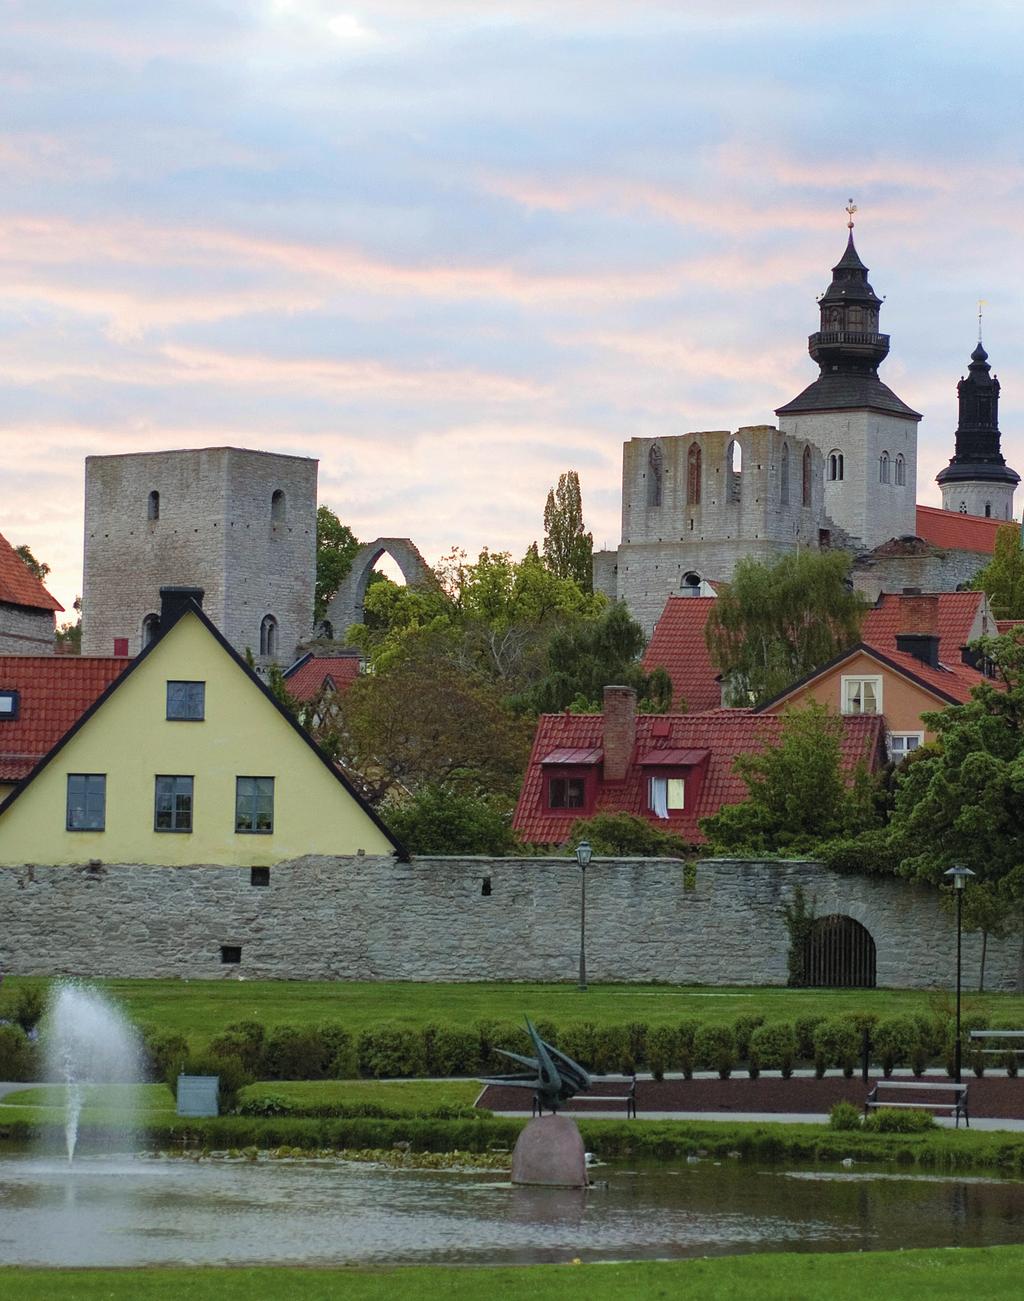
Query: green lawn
pixel 202 1008
pixel 904 1276
pixel 103 1104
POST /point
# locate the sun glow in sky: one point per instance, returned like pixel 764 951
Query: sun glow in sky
pixel 453 249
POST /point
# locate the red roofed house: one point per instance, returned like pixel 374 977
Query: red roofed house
pixel 312 675
pixel 910 661
pixel 672 769
pixel 677 645
pixel 26 608
pixel 41 697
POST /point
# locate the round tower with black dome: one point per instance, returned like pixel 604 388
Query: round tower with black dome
pixel 977 480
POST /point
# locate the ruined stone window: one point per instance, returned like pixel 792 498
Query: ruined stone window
pixel 259 876
pixel 153 506
pixel 836 467
pixel 883 468
pixel 988 510
pixel 784 475
pixel 87 801
pixel 485 886
pixel 254 805
pixel 734 472
pixel 230 953
pixel 150 629
pixel 900 472
pixel 268 635
pixel 173 804
pixel 693 475
pixel 654 460
pixel 277 504
pixel 691 584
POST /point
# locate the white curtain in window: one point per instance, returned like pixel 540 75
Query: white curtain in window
pixel 659 797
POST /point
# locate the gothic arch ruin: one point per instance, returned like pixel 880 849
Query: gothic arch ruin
pixel 346 607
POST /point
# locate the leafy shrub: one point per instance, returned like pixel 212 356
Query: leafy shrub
pixel 636 1034
pixel 894 1041
pixel 687 1035
pixel 391 1050
pixel 624 834
pixel 17 1054
pixel 743 1027
pixel 28 1007
pixel 307 1053
pixel 887 1121
pixel 836 1043
pixel 451 1051
pixel 493 1035
pixel 844 1115
pixel 773 1048
pixel 714 1048
pixel 862 1020
pixel 970 1051
pixel 580 1040
pixel 164 1051
pixel 663 1050
pixel 244 1040
pixel 267 1104
pixel 441 820
pixel 613 1050
pixel 805 1028
pixel 229 1070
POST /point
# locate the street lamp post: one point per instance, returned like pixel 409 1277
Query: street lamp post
pixel 960 877
pixel 583 856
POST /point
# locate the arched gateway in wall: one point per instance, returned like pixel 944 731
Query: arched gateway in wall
pixel 839 953
pixel 346 608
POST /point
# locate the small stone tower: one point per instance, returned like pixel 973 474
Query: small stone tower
pixel 867 435
pixel 977 481
pixel 239 524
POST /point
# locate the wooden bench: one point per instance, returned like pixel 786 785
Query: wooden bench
pixel 956 1106
pixel 629 1098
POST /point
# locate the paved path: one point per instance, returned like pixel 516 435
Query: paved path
pixel 760 1118
pixel 12 1088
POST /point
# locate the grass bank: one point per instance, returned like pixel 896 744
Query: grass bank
pixel 201 1009
pixel 956 1272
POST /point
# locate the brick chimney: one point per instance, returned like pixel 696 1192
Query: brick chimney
pixel 918 633
pixel 619 731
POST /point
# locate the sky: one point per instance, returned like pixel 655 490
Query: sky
pixel 454 248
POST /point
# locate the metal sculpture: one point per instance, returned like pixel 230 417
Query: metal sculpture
pixel 553 1077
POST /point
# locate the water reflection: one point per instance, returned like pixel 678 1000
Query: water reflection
pixel 125 1212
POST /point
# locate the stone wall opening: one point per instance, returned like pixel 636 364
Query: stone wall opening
pixel 839 953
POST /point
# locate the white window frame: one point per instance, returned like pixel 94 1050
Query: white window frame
pixel 903 736
pixel 658 785
pixel 848 681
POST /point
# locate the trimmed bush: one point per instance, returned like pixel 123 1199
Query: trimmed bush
pixel 773 1048
pixel 836 1043
pixel 390 1051
pixel 451 1051
pixel 743 1027
pixel 581 1041
pixel 714 1048
pixel 970 1054
pixel 805 1028
pixel 165 1051
pixel 244 1040
pixel 304 1052
pixel 28 1007
pixel 894 1041
pixel 887 1121
pixel 614 1050
pixel 687 1035
pixel 17 1054
pixel 844 1115
pixel 663 1050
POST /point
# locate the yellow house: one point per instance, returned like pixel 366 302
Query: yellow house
pixel 186 758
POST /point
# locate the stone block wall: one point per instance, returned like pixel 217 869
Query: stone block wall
pixel 26 632
pixel 432 920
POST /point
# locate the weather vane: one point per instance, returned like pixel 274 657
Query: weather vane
pixel 851 208
pixel 981 304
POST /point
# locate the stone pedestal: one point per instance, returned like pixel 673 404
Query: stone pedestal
pixel 550 1153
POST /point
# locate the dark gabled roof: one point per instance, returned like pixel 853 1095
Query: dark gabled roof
pixel 190 606
pixel 846 391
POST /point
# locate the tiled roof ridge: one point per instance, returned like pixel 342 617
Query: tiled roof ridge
pixel 18 584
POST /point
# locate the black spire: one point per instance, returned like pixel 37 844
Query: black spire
pixel 977 453
pixel 847 345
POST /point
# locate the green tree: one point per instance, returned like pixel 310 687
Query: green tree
pixel 336 546
pixel 37 567
pixel 440 820
pixel 586 656
pixel 623 833
pixel 1002 579
pixel 775 623
pixel 70 632
pixel 568 549
pixel 798 795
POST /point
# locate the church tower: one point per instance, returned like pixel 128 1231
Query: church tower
pixel 977 481
pixel 867 435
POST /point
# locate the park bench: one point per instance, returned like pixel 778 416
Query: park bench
pixel 955 1106
pixel 1015 1046
pixel 628 1098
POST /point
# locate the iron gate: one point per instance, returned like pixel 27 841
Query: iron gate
pixel 839 952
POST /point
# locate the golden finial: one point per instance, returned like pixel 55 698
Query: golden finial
pixel 851 208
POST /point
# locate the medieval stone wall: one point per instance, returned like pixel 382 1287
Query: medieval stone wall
pixel 26 632
pixel 458 919
pixel 937 571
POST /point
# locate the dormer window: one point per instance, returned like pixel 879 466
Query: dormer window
pixel 567 792
pixel 10 704
pixel 666 795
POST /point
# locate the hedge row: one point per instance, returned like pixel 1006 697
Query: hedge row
pixel 249 1052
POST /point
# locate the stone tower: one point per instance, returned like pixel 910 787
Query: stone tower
pixel 866 434
pixel 977 480
pixel 239 524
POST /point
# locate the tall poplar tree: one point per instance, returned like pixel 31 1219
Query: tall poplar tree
pixel 568 549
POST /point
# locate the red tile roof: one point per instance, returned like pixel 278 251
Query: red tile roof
pixel 952 679
pixel 955 532
pixel 54 691
pixel 18 584
pixel 1003 626
pixel 678 647
pixel 723 733
pixel 312 674
pixel 958 615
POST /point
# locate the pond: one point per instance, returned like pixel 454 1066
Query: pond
pixel 126 1211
